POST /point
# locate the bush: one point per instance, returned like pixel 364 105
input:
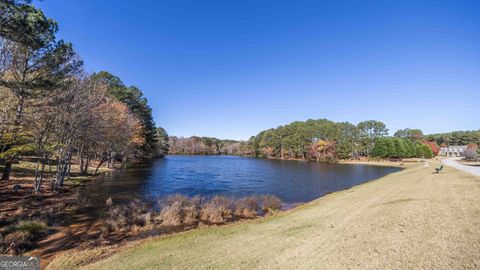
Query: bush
pixel 21 237
pixel 410 148
pixel 179 210
pixel 116 219
pixel 433 146
pixel 247 207
pixel 471 154
pixel 32 230
pixel 123 217
pixel 217 210
pixel 271 204
pixel 172 215
pixel 424 151
pixel 400 150
pixel 384 148
pixel 427 151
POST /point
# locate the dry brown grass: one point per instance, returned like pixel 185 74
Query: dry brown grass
pixel 181 211
pixel 271 204
pixel 126 217
pixel 218 210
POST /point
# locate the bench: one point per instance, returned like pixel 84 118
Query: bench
pixel 439 169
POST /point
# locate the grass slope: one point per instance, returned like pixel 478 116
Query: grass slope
pixel 409 219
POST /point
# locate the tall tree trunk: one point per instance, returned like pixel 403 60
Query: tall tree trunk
pixel 81 160
pixel 7 170
pixel 61 172
pixel 39 178
pixel 16 124
pixel 37 165
pixel 87 162
pixel 69 168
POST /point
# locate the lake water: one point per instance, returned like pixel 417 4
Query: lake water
pixel 292 181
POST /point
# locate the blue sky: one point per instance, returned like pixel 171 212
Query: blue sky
pixel 230 69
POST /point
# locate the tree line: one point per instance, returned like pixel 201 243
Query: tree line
pixel 455 138
pixel 51 109
pixel 320 139
pixel 323 139
pixel 206 146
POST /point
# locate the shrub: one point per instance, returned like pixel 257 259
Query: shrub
pixel 473 146
pixel 136 211
pixel 400 150
pixel 123 217
pixel 247 207
pixel 271 203
pixel 384 148
pixel 426 150
pixel 24 233
pixel 433 146
pixel 411 149
pixel 34 229
pixel 217 210
pixel 116 218
pixel 172 215
pixel 179 210
pixel 471 154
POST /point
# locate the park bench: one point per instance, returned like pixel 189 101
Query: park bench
pixel 439 169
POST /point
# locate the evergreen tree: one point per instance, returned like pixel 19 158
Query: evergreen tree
pixel 420 150
pixel 33 64
pixel 136 102
pixel 163 141
pixel 400 150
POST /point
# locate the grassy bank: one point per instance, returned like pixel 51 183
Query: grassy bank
pixel 409 219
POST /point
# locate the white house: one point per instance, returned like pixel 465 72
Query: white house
pixel 452 151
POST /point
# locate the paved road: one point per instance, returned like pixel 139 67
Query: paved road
pixel 453 162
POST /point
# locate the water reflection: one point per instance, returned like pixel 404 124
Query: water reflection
pixel 291 181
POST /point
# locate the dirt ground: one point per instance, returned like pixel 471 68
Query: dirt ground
pixel 412 219
pixel 59 209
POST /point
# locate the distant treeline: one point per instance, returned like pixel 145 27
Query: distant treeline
pixel 455 138
pixel 323 139
pixel 206 146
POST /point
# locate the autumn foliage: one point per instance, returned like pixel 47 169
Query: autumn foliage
pixel 433 146
pixel 323 150
pixel 118 130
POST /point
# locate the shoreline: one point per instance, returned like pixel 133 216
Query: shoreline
pixel 370 216
pixel 294 207
pixel 80 221
pixel 381 162
pixel 74 211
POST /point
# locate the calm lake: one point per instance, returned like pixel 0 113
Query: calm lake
pixel 292 181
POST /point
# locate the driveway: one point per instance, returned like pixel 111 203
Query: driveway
pixel 453 162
